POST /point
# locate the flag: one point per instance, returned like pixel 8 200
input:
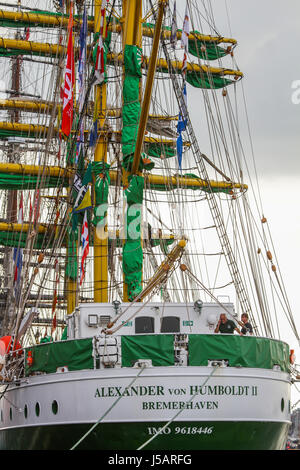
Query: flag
pixel 81 190
pixel 54 301
pixel 182 118
pixel 99 65
pixel 82 60
pixel 181 126
pixel 84 246
pixel 68 94
pixel 185 30
pixel 26 34
pixel 179 147
pixel 86 201
pixel 36 206
pixel 80 142
pixel 93 134
pixel 18 255
pixel 174 28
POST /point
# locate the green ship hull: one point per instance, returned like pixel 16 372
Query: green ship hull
pixel 229 435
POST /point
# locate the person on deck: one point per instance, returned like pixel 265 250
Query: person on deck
pixel 226 326
pixel 246 326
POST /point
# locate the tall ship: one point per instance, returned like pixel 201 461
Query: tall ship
pixel 141 300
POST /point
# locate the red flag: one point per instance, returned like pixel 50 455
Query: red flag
pixel 26 34
pixel 68 95
pixel 99 66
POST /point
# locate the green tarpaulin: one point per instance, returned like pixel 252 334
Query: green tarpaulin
pixel 246 351
pixel 204 80
pixel 18 239
pixel 131 104
pixel 159 150
pixel 75 354
pixel 204 49
pixel 132 251
pixel 102 181
pixel 71 262
pixel 158 348
pixel 212 52
pixel 22 182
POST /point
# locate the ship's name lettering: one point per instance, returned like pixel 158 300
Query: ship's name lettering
pixel 235 390
pixel 141 390
pixel 159 390
pixel 180 405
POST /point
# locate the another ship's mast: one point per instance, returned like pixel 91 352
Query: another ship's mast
pixel 12 196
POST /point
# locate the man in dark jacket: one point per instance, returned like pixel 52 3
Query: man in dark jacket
pixel 246 326
pixel 226 326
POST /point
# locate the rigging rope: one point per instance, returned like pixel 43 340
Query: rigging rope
pixel 108 410
pixel 179 412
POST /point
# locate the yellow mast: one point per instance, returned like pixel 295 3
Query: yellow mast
pixel 132 35
pixel 100 244
pixel 148 88
pixel 71 283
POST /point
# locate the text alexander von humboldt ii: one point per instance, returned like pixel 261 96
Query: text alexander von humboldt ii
pixel 166 393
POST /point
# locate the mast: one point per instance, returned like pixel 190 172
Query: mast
pixel 132 36
pixel 12 197
pixel 100 156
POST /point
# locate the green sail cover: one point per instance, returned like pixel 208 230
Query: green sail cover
pixel 71 263
pixel 204 80
pixel 245 351
pixel 131 103
pixel 212 51
pixel 101 172
pixel 21 182
pixel 158 150
pixel 18 239
pixel 132 250
pixel 75 354
pixel 158 348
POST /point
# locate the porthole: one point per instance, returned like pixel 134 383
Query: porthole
pixel 54 407
pixel 37 409
pixel 282 404
pixel 26 411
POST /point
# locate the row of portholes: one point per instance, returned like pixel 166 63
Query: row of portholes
pixel 37 408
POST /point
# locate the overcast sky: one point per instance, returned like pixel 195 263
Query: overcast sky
pixel 268 35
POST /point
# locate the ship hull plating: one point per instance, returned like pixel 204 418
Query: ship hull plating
pixel 117 409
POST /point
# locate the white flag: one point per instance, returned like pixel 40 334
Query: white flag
pixel 185 30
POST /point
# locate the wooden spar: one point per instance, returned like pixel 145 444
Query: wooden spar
pixel 43 19
pixel 55 50
pixel 46 107
pixel 151 180
pixel 164 269
pixel 43 228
